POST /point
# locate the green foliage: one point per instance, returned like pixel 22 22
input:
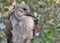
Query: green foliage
pixel 48 10
pixel 3 37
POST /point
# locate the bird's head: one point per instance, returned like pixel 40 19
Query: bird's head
pixel 22 9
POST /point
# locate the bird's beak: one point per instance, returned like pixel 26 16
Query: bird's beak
pixel 31 14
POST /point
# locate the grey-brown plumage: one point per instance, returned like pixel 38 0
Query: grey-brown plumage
pixel 23 24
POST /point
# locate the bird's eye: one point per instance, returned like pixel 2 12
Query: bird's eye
pixel 24 9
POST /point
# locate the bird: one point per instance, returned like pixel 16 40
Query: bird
pixel 22 21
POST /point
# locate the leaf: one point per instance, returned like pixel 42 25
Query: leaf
pixel 56 22
pixel 42 18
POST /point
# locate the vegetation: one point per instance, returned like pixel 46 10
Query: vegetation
pixel 49 16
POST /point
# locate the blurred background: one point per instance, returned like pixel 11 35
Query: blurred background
pixel 49 19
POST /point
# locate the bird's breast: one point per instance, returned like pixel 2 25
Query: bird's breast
pixel 29 22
